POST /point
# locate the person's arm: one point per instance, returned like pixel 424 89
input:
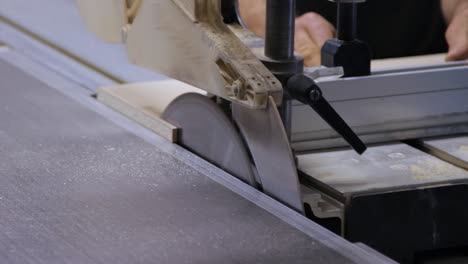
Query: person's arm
pixel 456 15
pixel 253 14
pixel 312 30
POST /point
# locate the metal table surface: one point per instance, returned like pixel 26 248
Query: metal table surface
pixel 81 184
pixel 381 168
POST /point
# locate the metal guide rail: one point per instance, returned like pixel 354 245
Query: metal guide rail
pixel 389 106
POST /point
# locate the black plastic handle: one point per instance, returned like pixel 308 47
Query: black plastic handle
pixel 305 90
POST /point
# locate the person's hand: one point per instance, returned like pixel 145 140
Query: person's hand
pixel 312 31
pixel 457 36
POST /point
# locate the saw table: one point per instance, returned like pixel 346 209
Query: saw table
pixel 82 184
pixel 98 186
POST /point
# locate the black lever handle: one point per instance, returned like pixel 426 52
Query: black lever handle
pixel 305 90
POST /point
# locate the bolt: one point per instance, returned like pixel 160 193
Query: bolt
pixel 315 95
pixel 236 88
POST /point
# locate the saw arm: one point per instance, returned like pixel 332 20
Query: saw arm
pixel 188 41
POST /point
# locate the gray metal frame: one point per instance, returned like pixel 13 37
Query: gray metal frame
pixel 390 106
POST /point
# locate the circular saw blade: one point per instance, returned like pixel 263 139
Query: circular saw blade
pixel 207 131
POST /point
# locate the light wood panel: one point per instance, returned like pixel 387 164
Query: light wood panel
pixel 408 62
pixel 145 103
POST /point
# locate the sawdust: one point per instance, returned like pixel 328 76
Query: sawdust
pixel 326 175
pixel 400 167
pixel 463 148
pixel 430 169
pixel 396 155
pixel 354 161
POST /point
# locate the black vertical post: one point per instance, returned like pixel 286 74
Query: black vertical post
pixel 346 24
pixel 347 50
pixel 281 61
pixel 279 49
pixel 279 33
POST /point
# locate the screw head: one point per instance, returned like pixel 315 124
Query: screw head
pixel 315 95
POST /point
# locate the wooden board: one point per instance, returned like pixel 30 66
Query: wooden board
pixel 408 62
pixel 145 103
pixel 453 150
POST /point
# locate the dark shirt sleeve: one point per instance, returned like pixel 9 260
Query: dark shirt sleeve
pixel 229 11
pixel 393 28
